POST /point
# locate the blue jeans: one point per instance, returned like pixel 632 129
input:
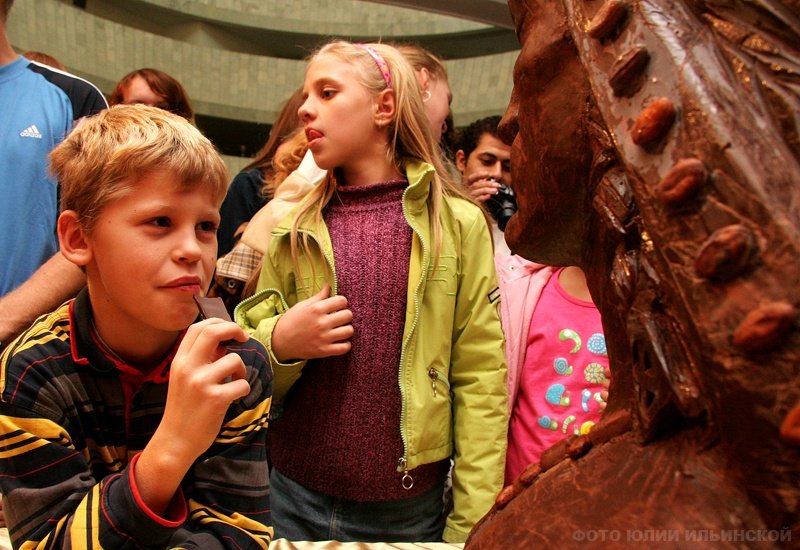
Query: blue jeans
pixel 299 514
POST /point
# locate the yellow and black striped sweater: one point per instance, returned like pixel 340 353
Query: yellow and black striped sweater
pixel 72 422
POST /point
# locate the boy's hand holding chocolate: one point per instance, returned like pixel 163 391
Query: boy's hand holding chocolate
pixel 204 380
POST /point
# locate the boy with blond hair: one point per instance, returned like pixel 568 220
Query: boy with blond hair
pixel 122 427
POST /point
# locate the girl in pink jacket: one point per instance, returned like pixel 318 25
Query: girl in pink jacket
pixel 556 354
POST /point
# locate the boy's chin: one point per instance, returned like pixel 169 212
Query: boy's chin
pixel 180 321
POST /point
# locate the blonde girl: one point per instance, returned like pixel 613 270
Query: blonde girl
pixel 376 302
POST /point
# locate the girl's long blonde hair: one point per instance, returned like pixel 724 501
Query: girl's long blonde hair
pixel 410 138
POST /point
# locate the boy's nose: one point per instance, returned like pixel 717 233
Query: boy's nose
pixel 188 249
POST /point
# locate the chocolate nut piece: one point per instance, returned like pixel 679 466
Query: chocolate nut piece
pixel 607 19
pixel 579 447
pixel 626 74
pixel 790 427
pixel 529 474
pixel 683 182
pixel 726 253
pixel 765 327
pixel 654 122
pixel 505 496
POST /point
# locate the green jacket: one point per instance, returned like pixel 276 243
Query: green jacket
pixel 452 341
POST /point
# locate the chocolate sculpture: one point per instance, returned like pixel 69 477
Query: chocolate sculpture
pixel 657 145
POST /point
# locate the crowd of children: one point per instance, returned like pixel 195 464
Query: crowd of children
pixel 371 349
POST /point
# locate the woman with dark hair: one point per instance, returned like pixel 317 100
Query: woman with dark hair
pixel 155 88
pixel 249 190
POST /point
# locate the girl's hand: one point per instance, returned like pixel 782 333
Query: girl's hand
pixel 482 186
pixel 320 326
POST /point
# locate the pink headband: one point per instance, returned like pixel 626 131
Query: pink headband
pixel 383 67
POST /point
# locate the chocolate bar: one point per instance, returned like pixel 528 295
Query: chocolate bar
pixel 212 307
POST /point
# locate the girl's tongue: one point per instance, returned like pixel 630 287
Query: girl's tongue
pixel 312 134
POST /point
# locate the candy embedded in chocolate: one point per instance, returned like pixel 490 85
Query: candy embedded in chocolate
pixel 653 123
pixel 608 20
pixel 212 307
pixel 626 75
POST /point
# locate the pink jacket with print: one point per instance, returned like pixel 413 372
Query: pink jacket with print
pixel 521 284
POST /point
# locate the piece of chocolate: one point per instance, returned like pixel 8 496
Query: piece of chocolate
pixel 212 307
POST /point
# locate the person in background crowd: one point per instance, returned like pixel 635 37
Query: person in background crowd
pixel 237 271
pixel 46 59
pixel 483 161
pixel 556 356
pixel 433 80
pixel 155 88
pixel 448 141
pixel 252 187
pixel 38 107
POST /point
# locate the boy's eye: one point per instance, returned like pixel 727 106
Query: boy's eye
pixel 209 226
pixel 160 221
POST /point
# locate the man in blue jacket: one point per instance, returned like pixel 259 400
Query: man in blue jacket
pixel 38 106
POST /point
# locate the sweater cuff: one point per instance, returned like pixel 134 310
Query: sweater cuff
pixel 176 512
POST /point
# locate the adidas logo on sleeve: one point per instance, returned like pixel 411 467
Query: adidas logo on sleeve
pixel 31 132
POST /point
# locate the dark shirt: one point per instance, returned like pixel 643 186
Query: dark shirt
pixel 243 200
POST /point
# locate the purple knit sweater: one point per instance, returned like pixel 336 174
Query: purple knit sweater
pixel 339 433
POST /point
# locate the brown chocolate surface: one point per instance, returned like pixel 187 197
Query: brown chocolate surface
pixel 212 307
pixel 690 239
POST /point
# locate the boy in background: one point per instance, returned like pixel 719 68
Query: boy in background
pixel 484 163
pixel 122 427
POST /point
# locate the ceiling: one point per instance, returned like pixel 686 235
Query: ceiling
pixel 453 29
pixel 490 12
pixel 240 59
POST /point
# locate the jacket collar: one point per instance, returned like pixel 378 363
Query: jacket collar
pixel 85 350
pixel 419 174
pixel 88 351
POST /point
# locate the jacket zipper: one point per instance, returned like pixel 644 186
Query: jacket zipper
pixel 402 463
pixel 407 481
pixel 257 298
pixel 435 377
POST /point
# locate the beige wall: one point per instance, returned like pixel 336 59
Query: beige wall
pixel 226 83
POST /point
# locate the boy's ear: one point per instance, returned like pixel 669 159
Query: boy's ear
pixel 72 239
pixel 385 108
pixel 461 161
